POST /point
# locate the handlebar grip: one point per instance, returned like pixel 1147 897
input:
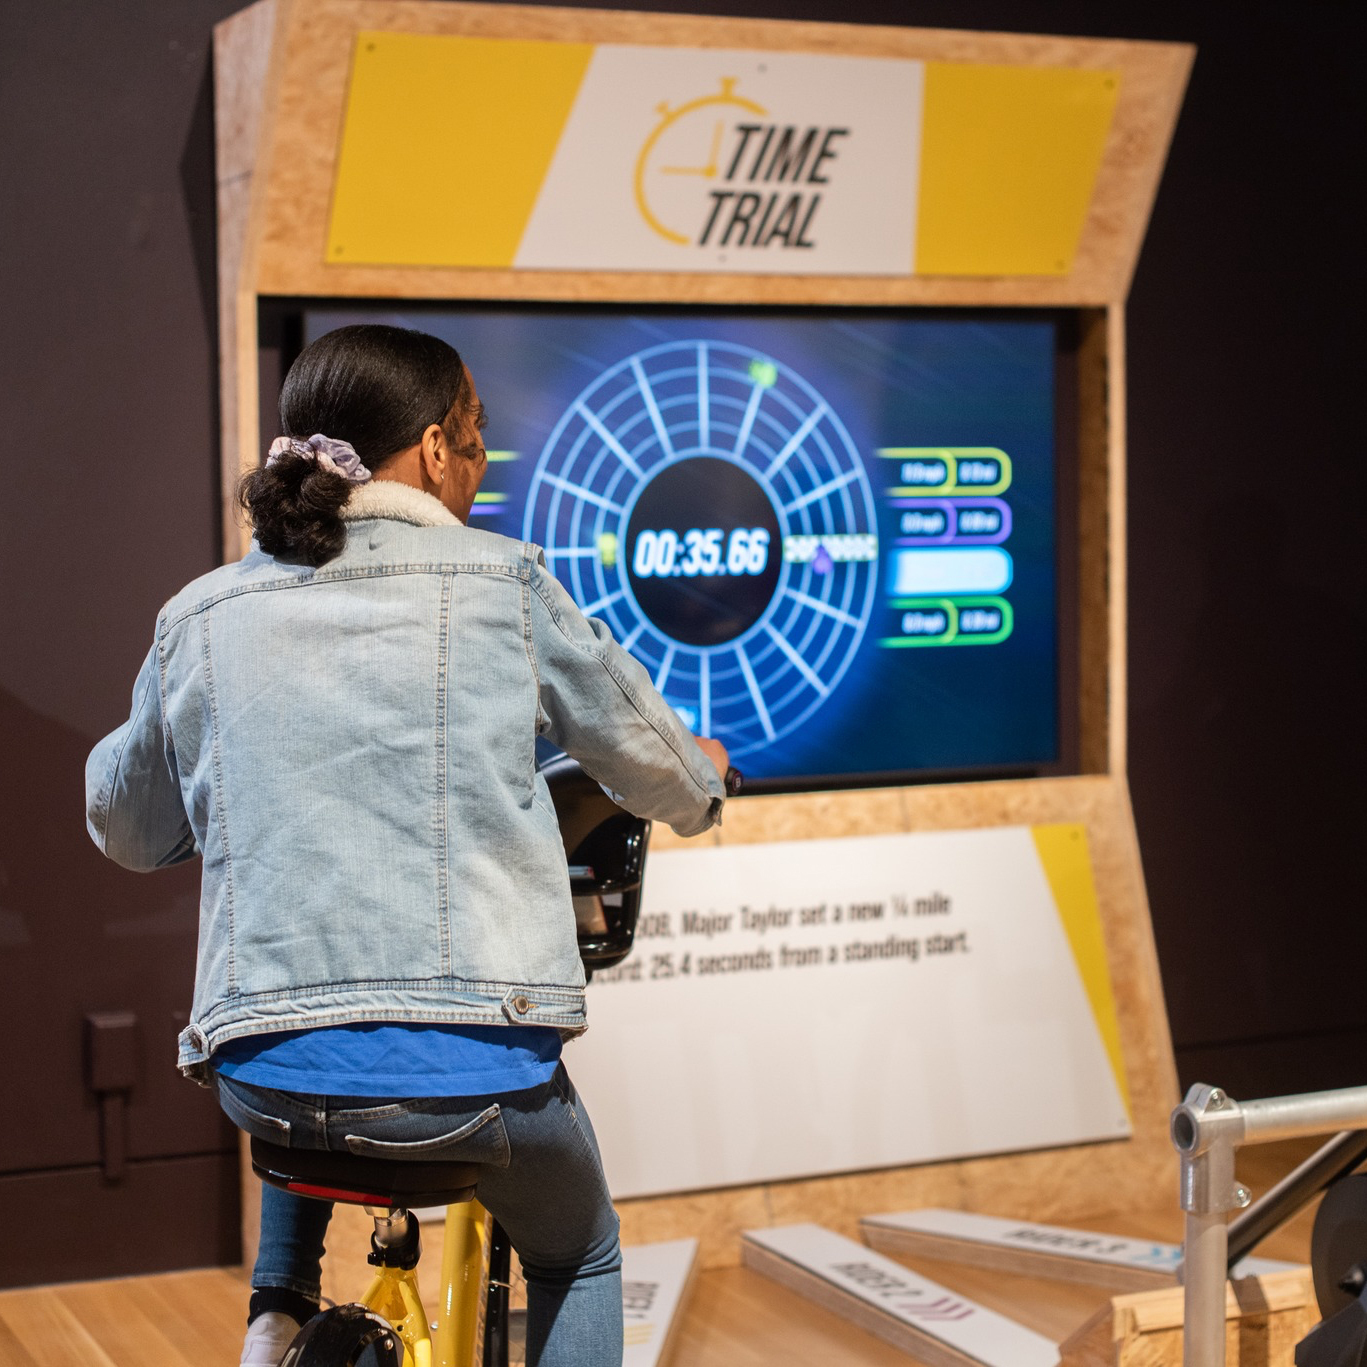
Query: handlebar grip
pixel 734 781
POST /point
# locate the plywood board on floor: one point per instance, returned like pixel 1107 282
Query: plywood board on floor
pixel 1032 1249
pixel 904 1309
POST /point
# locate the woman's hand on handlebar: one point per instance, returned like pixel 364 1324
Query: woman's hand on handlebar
pixel 716 752
pixel 732 779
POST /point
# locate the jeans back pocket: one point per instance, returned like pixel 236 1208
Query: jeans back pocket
pixel 480 1140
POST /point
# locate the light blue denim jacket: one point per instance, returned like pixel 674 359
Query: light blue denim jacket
pixel 352 750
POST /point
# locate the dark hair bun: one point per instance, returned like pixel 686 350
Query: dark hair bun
pixel 374 386
pixel 295 506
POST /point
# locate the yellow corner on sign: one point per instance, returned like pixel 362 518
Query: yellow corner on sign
pixel 1062 851
pixel 1009 159
pixel 445 146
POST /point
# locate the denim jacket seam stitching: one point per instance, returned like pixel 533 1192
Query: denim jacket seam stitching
pixel 220 811
pixel 443 776
pixel 405 984
pixel 104 798
pixel 246 1025
pixel 105 795
pixel 436 567
pixel 555 994
pixel 162 665
pixel 601 658
pixel 627 692
pixel 529 644
pixel 188 841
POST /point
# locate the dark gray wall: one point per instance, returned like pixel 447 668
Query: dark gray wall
pixel 1246 710
pixel 108 426
pixel 1245 491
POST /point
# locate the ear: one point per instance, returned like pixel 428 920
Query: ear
pixel 434 453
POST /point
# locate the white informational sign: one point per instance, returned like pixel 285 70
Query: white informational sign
pixel 862 1277
pixel 832 1005
pixel 734 161
pixel 1025 1236
pixel 654 1280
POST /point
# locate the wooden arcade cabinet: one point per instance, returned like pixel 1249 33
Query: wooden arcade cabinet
pixel 1023 173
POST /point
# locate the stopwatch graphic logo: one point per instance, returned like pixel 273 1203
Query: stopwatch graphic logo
pixel 706 502
pixel 685 149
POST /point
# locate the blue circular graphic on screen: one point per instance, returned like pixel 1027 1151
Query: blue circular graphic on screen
pixel 706 502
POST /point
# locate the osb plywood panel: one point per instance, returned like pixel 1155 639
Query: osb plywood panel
pixel 1100 619
pixel 306 100
pixel 1117 558
pixel 242 70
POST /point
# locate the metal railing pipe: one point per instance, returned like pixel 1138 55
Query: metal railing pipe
pixel 1294 1117
pixel 1340 1156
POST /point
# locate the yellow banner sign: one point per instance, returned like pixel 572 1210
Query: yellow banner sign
pixel 472 152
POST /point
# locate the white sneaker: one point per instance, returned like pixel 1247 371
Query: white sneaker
pixel 267 1338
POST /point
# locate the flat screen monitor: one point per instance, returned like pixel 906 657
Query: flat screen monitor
pixel 832 537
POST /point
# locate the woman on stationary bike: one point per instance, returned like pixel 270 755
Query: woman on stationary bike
pixel 343 724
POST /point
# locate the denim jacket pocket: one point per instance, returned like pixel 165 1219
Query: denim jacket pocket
pixel 481 1140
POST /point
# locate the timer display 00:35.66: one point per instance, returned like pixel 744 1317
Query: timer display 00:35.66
pixel 703 551
pixel 700 551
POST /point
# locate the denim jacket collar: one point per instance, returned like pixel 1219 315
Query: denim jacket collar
pixel 401 502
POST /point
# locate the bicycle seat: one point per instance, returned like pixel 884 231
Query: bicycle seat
pixel 357 1181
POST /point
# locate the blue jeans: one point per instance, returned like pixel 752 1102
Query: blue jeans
pixel 541 1178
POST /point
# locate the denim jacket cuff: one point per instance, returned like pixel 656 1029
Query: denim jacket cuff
pixel 712 817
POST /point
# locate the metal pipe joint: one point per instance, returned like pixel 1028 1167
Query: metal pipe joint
pixel 1207 1129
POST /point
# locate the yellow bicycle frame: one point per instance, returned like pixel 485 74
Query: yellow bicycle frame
pixel 394 1294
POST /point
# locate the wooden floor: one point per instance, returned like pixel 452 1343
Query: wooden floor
pixel 734 1318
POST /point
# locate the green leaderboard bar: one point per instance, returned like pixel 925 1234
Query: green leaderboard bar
pixel 978 621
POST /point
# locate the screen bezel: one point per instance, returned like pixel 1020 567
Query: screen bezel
pixel 281 326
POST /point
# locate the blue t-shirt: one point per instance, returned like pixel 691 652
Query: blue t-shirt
pixel 381 1059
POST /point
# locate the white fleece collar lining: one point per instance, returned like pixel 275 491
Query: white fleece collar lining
pixel 402 502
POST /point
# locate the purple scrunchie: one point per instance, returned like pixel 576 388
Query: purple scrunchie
pixel 337 456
